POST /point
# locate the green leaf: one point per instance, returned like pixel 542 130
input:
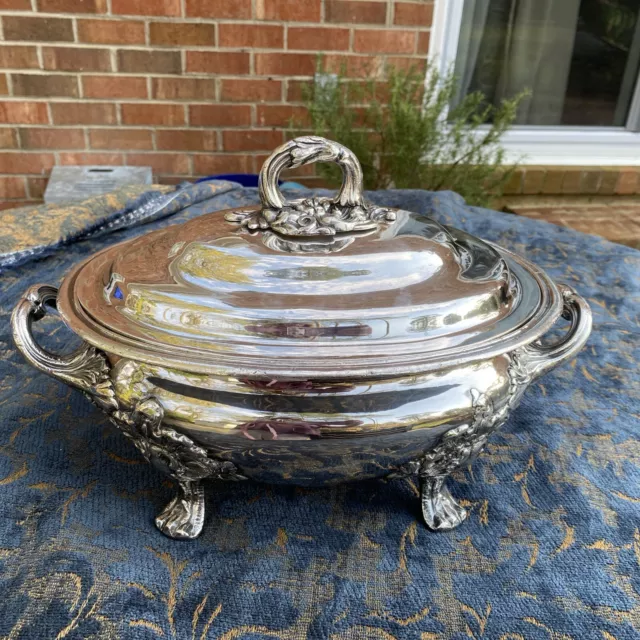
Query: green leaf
pixel 406 133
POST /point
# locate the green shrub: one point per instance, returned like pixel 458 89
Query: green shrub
pixel 407 136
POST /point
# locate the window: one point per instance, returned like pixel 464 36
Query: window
pixel 579 59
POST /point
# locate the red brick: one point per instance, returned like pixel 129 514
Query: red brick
pixel 36 187
pixel 354 66
pixel 275 115
pixel 12 188
pixel 413 14
pixel 170 180
pixel 251 90
pixel 206 165
pixel 294 90
pixel 186 140
pixel 261 36
pixel 314 183
pixel 533 180
pixel 41 138
pixel 184 88
pixel 384 41
pixel 158 114
pixel 570 182
pixel 355 12
pixel 12 204
pixel 83 113
pixel 168 163
pixel 227 9
pixel 89 158
pixel 4 86
pixel 251 140
pixel 219 115
pixel 8 138
pixel 157 61
pixel 146 7
pixel 15 57
pixel 424 37
pixel 418 65
pixel 590 182
pixel 288 10
pixel 111 31
pixel 37 29
pixel 627 181
pixel 185 33
pixel 114 87
pixel 45 86
pixel 26 163
pixel 72 6
pixel 307 170
pixel 217 62
pixel 123 139
pixel 261 158
pixel 318 39
pixel 552 181
pixel 608 180
pixel 76 59
pixel 285 64
pixel 15 5
pixel 24 112
pixel 513 186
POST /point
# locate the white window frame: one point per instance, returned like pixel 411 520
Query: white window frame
pixel 539 145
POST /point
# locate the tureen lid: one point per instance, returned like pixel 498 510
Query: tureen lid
pixel 313 288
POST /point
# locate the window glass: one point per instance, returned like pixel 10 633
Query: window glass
pixel 579 59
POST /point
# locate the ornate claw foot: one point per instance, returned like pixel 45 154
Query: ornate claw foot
pixel 183 517
pixel 178 456
pixel 439 509
pixel 457 448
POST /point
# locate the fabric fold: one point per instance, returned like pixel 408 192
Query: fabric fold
pixel 29 233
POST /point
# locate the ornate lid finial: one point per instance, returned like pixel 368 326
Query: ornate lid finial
pixel 347 212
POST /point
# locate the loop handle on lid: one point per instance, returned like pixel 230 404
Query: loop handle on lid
pixel 347 212
pixel 307 150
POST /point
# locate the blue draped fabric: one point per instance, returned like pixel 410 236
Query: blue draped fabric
pixel 551 549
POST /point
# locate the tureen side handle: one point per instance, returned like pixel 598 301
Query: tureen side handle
pixel 86 369
pixel 539 358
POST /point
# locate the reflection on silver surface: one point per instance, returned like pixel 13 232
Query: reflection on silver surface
pixel 399 299
pixel 224 354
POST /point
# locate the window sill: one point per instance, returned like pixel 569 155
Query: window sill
pixel 572 146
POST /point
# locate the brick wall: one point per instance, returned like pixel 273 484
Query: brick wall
pixel 572 181
pixel 190 87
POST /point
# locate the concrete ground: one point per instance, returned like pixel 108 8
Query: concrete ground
pixel 616 218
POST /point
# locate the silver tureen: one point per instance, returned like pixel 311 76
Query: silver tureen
pixel 307 342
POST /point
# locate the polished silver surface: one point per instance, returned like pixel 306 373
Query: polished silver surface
pixel 393 297
pixel 404 293
pixel 221 355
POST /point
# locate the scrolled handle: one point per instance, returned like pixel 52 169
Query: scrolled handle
pixel 347 212
pixel 540 358
pixel 306 150
pixel 86 369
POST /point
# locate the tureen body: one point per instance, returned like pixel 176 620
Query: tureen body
pixel 311 342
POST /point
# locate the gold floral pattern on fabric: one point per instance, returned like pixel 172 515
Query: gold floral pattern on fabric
pixel 28 227
pixel 551 549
